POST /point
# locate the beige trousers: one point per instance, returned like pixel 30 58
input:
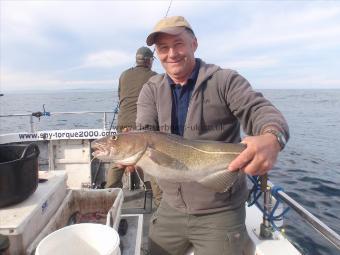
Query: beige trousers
pixel 173 232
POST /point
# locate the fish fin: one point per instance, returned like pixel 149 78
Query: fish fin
pixel 164 160
pixel 220 181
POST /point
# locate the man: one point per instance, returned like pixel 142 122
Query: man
pixel 131 82
pixel 202 101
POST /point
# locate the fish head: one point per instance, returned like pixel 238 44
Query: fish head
pixel 124 148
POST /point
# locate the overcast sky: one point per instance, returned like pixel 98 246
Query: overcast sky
pixel 87 44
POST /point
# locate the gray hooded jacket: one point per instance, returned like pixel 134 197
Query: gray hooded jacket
pixel 222 101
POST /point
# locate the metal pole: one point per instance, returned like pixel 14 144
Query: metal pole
pixel 53 113
pixel 104 121
pixel 31 124
pixel 321 227
pixel 265 228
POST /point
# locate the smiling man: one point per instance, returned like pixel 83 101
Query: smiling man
pixel 197 100
pixel 176 54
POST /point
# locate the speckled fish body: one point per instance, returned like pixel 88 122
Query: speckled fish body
pixel 171 157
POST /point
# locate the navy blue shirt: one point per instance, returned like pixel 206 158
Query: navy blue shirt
pixel 180 100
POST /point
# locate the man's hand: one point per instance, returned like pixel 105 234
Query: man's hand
pixel 259 156
pixel 127 169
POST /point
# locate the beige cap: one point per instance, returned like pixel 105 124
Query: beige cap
pixel 170 25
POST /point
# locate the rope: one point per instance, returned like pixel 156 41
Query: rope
pixel 255 191
pixel 140 179
pixel 253 198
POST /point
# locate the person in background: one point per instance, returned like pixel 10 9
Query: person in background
pixel 131 82
pixel 202 101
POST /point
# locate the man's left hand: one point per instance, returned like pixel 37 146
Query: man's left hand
pixel 259 156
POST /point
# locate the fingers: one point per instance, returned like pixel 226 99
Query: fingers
pixel 259 156
pixel 241 160
pixel 130 169
pixel 127 169
pixel 258 166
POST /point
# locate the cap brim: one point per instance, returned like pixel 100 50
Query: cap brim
pixel 150 40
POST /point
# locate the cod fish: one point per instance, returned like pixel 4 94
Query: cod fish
pixel 172 158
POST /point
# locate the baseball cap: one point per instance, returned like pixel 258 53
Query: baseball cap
pixel 170 25
pixel 143 53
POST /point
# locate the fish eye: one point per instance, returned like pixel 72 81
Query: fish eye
pixel 114 137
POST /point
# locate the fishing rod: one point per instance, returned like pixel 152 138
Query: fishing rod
pixel 115 111
pixel 117 106
pixel 167 12
pixel 166 15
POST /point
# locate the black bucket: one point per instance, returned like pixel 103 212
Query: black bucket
pixel 18 172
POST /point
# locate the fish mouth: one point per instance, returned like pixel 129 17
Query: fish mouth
pixel 100 154
pixel 100 150
pixel 105 155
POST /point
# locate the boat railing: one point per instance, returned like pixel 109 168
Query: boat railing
pixel 33 115
pixel 269 190
pixel 316 223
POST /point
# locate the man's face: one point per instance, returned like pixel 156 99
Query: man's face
pixel 176 53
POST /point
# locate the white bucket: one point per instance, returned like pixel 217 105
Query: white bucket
pixel 82 239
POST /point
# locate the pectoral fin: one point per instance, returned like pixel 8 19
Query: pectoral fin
pixel 220 181
pixel 164 160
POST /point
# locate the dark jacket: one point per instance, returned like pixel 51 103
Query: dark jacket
pixel 131 82
pixel 221 102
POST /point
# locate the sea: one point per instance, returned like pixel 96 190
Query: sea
pixel 308 169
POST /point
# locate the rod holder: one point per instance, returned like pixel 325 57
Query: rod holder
pixel 266 231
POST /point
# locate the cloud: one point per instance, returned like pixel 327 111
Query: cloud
pixel 32 81
pixel 251 63
pixel 83 18
pixel 67 43
pixel 286 28
pixel 106 59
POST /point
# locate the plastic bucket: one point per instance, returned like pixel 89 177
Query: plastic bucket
pixel 82 239
pixel 18 172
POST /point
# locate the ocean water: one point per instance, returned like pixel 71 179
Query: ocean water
pixel 308 169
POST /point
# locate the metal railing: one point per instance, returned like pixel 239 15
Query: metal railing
pixel 317 224
pixel 41 114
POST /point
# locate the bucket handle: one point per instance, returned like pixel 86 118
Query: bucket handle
pixel 27 149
